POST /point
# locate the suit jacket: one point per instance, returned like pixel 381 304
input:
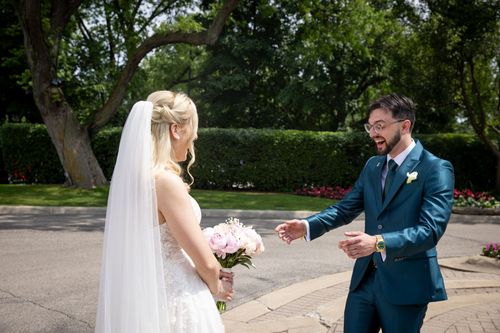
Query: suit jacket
pixel 411 219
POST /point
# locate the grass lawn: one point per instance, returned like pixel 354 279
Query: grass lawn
pixel 57 195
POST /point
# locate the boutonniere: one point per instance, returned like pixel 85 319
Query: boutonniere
pixel 411 177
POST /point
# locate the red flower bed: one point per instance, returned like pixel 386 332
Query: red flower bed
pixel 330 192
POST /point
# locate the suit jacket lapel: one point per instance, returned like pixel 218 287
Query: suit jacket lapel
pixel 409 164
pixel 376 182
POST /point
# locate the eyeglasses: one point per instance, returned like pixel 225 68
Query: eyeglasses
pixel 378 127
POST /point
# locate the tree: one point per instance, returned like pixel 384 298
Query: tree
pixel 342 49
pixel 238 83
pixel 296 64
pixel 466 40
pixel 413 72
pixel 49 28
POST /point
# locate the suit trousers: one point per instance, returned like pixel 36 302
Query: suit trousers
pixel 367 310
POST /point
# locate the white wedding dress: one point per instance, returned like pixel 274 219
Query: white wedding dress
pixel 191 307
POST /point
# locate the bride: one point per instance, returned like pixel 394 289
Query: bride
pixel 158 273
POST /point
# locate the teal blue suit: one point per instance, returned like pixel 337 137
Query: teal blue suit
pixel 412 218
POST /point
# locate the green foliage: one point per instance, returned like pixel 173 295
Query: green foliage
pixel 472 161
pixel 237 258
pixel 99 40
pixel 3 172
pixel 168 67
pixel 59 195
pixel 253 159
pixel 339 51
pixel 491 250
pixel 430 86
pixel 105 146
pixel 281 64
pixel 468 198
pixel 473 49
pixel 29 155
pixel 295 64
pixel 238 82
pixel 16 100
pixel 274 160
pixel 460 44
pixel 211 199
pixel 52 195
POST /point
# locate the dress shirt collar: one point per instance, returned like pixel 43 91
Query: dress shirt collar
pixel 401 157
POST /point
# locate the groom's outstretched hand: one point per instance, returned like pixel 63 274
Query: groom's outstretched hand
pixel 358 244
pixel 291 230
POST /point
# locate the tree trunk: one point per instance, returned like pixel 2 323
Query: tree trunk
pixel 72 142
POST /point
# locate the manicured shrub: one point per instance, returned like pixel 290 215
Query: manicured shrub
pixel 105 146
pixel 252 159
pixel 28 154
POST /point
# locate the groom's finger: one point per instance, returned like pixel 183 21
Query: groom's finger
pixel 352 241
pixel 342 244
pixel 279 227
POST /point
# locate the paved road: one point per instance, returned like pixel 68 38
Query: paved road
pixel 50 262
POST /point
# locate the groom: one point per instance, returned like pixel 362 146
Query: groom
pixel 407 195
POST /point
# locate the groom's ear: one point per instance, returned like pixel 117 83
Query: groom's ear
pixel 407 125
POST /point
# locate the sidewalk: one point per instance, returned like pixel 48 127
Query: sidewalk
pixel 51 260
pixel 316 305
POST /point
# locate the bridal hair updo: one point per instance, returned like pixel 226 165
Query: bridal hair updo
pixel 171 108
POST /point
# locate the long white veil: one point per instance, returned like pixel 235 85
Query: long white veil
pixel 132 295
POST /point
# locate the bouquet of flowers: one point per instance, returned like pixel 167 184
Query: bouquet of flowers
pixel 233 243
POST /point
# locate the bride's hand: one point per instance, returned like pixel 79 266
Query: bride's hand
pixel 226 276
pixel 225 290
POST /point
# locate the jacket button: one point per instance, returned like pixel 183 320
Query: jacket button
pixel 379 227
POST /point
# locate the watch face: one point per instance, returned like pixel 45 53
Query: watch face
pixel 380 245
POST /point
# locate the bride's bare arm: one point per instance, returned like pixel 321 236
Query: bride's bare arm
pixel 175 205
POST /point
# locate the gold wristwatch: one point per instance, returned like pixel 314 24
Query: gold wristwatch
pixel 379 244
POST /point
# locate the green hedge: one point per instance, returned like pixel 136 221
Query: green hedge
pixel 3 173
pixel 274 160
pixel 264 160
pixel 28 154
pixel 105 146
pixel 474 163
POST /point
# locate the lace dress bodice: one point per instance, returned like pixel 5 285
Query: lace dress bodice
pixel 178 267
pixel 190 304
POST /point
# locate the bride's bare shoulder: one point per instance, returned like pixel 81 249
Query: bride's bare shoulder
pixel 168 181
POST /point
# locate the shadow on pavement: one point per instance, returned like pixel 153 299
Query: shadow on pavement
pixel 55 222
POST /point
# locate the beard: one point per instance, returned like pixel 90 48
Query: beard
pixel 390 144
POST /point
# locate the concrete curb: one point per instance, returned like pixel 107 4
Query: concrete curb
pixel 213 213
pixel 225 213
pixel 476 211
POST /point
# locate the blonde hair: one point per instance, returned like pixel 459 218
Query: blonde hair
pixel 171 108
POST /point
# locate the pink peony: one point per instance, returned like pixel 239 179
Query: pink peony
pixel 217 242
pixel 232 244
